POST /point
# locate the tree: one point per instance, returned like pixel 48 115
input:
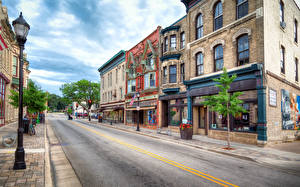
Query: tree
pixel 33 98
pixel 84 92
pixel 224 102
pixel 56 103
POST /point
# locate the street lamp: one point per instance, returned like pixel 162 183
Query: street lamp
pixel 21 28
pixel 138 109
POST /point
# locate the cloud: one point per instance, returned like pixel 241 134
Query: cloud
pixel 63 21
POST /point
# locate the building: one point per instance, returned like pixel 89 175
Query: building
pixel 141 100
pixel 112 88
pixel 255 39
pixel 9 69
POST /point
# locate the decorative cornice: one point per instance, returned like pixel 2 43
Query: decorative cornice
pixel 189 4
pixel 171 90
pixel 170 28
pixel 168 57
pixel 114 61
pixel 4 77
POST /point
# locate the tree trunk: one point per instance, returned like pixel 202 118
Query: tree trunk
pixel 228 128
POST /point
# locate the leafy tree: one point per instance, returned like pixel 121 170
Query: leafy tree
pixel 33 98
pixel 56 103
pixel 225 103
pixel 84 92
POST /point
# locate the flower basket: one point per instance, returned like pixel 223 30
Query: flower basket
pixel 186 131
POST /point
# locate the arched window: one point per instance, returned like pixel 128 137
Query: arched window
pixel 218 57
pixel 199 26
pixel 241 8
pixel 218 16
pixel 243 50
pixel 199 64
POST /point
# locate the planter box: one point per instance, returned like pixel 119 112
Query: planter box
pixel 186 134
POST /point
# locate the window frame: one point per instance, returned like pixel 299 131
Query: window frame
pixel 295 31
pixel 15 67
pixel 182 72
pixel 238 5
pixel 219 58
pixel 218 16
pixel 281 11
pixel 147 80
pixel 165 72
pixel 296 70
pixel 200 64
pixel 182 40
pixel 199 28
pixel 166 44
pixel 173 43
pixel 130 85
pixel 173 75
pixel 282 59
pixel 239 52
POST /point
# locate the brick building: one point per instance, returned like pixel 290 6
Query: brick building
pixel 142 63
pixel 112 90
pixel 236 35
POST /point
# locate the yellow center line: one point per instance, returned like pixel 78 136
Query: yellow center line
pixel 173 163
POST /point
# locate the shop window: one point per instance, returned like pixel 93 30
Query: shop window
pixel 149 80
pixel 175 116
pixel 199 64
pixel 151 117
pixel 243 50
pixel 218 57
pixel 129 116
pixel 172 74
pixel 199 26
pixel 218 16
pixel 242 8
pixel 173 42
pixel 2 97
pixel 131 86
pixel 182 40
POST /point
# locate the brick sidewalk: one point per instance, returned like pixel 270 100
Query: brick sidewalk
pixel 34 174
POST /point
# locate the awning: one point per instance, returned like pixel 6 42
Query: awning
pixel 142 108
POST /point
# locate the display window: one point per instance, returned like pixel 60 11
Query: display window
pixel 178 112
pixel 2 98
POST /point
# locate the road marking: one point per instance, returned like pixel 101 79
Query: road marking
pixel 173 163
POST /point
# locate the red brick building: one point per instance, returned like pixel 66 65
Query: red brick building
pixel 142 73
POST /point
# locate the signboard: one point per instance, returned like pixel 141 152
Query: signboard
pixel 272 97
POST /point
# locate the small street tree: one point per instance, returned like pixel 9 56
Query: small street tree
pixel 33 98
pixel 84 92
pixel 224 102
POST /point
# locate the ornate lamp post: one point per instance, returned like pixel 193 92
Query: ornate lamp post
pixel 138 109
pixel 21 28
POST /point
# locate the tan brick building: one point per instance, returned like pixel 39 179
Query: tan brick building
pixel 9 69
pixel 248 37
pixel 112 88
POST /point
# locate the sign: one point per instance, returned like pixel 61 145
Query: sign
pixel 137 108
pixel 272 97
pixel 184 121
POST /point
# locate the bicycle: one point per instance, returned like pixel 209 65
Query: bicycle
pixel 31 129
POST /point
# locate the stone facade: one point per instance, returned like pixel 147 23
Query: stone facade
pixel 112 88
pixel 9 73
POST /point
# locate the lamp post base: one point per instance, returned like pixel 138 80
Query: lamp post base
pixel 19 159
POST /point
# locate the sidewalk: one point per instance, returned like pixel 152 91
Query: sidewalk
pixel 34 174
pixel 272 156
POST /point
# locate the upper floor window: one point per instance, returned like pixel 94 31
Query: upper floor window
pixel 182 40
pixel 172 74
pixel 123 73
pixel 121 93
pixel 296 31
pixel 149 80
pixel 282 59
pixel 218 16
pixel 242 8
pixel 166 44
pixel 199 64
pixel 199 26
pixel 296 69
pixel 182 78
pixel 130 86
pixel 173 42
pixel 281 12
pixel 15 66
pixel 116 75
pixel 150 61
pixel 164 75
pixel 243 50
pixel 218 57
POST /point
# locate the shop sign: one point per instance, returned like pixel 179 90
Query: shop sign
pixel 272 97
pixel 142 104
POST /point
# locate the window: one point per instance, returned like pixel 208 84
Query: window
pixel 150 61
pixel 116 75
pixel 121 93
pixel 296 31
pixel 282 56
pixel 164 75
pixel 15 66
pixel 166 44
pixel 131 86
pixel 182 40
pixel 281 12
pixel 218 57
pixel 296 69
pixel 243 50
pixel 218 16
pixel 199 64
pixel 173 42
pixel 2 99
pixel 242 8
pixel 199 26
pixel 172 74
pixel 123 72
pixel 182 73
pixel 149 80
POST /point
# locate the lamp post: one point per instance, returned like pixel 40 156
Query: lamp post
pixel 138 109
pixel 21 28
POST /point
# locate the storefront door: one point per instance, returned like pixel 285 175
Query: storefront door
pixel 202 118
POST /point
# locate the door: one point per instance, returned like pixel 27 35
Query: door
pixel 202 118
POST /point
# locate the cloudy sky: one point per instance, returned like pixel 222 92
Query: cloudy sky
pixel 70 39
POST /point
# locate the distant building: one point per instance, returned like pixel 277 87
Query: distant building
pixel 112 88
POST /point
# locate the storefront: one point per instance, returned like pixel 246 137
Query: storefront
pixel 3 82
pixel 113 114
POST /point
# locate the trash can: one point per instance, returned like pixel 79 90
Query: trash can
pixel 26 125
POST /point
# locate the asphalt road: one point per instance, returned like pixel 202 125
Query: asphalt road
pixel 108 157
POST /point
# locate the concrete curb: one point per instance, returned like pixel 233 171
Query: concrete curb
pixel 48 176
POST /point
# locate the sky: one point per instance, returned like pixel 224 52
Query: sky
pixel 70 39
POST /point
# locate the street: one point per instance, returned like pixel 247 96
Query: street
pixel 104 156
